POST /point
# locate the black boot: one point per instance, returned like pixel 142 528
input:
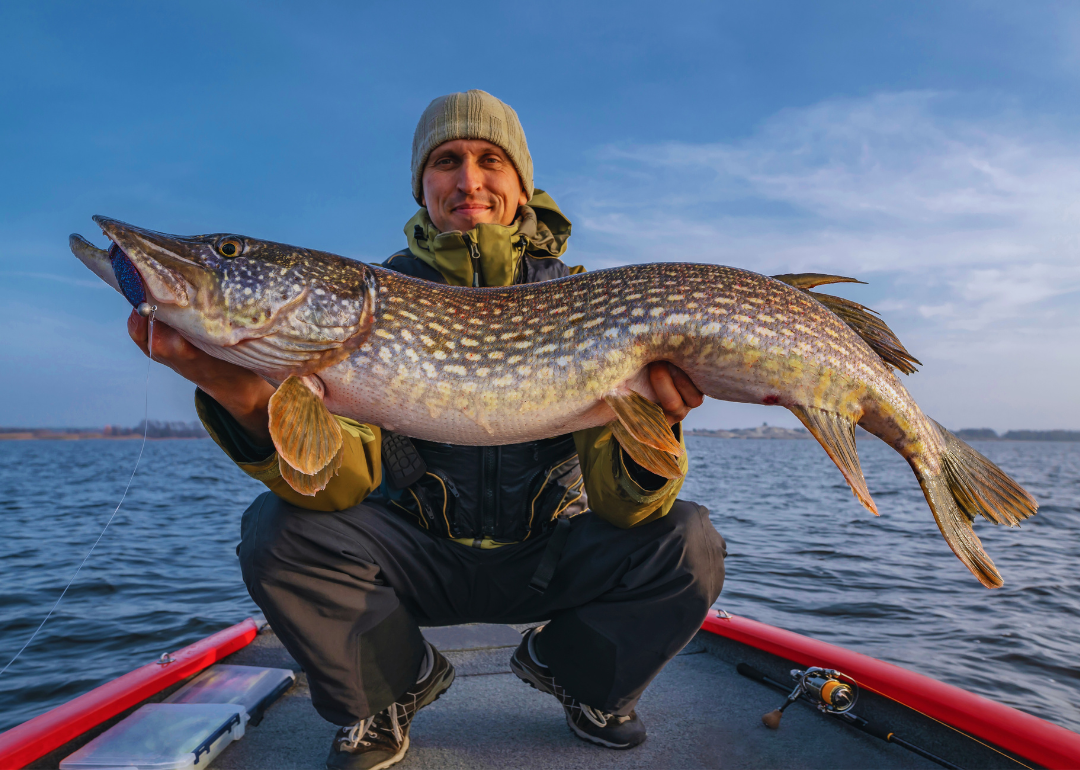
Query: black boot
pixel 381 740
pixel 586 722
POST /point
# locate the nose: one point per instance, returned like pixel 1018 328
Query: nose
pixel 470 176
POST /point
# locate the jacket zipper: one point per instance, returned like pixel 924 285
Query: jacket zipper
pixel 474 255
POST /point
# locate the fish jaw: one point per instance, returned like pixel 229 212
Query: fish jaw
pixel 97 260
pixel 274 309
pixel 168 277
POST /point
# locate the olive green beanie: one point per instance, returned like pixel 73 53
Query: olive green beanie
pixel 470 115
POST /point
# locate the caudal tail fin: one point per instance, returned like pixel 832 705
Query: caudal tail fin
pixel 968 485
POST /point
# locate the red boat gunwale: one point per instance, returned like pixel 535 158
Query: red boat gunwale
pixel 36 737
pixel 1028 736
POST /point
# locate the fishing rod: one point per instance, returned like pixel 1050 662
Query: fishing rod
pixel 832 693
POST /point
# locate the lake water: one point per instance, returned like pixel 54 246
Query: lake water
pixel 802 555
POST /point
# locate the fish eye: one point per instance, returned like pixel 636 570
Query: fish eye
pixel 230 247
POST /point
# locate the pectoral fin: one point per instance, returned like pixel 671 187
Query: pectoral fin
pixel 654 460
pixel 836 432
pixel 309 484
pixel 305 434
pixel 644 421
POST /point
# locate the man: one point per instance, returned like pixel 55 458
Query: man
pixel 567 530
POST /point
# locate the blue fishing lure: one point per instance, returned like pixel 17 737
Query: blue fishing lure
pixel 127 276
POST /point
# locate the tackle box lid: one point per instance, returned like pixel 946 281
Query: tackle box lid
pixel 252 687
pixel 163 736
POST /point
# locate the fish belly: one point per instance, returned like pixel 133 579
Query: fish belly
pixel 420 408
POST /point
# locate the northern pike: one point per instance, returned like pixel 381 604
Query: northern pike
pixel 489 366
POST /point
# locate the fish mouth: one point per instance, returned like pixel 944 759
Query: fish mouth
pixel 147 265
pixel 127 276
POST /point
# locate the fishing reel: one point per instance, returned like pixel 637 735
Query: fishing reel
pixel 829 691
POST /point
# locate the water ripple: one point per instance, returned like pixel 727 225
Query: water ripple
pixel 802 555
pixel 805 556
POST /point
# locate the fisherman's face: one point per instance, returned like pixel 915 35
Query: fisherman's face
pixel 468 182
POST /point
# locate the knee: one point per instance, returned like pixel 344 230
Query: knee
pixel 701 549
pixel 263 533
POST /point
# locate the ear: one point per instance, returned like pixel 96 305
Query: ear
pixel 523 198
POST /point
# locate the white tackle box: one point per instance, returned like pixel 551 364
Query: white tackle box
pixel 252 687
pixel 163 736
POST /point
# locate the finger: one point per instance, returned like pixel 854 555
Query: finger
pixel 137 330
pixel 170 348
pixel 691 396
pixel 667 395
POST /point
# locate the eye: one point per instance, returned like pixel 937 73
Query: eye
pixel 230 247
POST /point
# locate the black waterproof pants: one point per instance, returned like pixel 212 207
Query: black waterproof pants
pixel 347 591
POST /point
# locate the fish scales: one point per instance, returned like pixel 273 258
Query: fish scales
pixel 513 364
pixel 506 365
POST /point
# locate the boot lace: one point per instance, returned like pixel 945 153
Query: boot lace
pixel 362 729
pixel 596 716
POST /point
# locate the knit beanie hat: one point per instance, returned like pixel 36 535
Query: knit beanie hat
pixel 470 115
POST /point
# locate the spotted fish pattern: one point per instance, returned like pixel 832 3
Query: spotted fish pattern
pixel 505 365
pixel 490 366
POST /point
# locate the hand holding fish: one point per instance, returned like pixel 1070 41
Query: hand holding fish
pixel 244 394
pixel 675 392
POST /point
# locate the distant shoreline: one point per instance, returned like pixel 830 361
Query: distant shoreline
pixel 86 436
pixel 968 434
pixel 153 429
pixel 763 431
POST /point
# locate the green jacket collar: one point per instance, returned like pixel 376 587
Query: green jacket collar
pixel 540 230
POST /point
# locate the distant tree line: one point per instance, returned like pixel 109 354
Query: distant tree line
pixel 160 429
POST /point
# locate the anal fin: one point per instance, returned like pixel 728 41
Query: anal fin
pixel 654 460
pixel 836 433
pixel 644 421
pixel 305 434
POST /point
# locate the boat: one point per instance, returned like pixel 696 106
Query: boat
pixel 711 707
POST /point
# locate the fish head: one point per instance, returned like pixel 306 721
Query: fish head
pixel 274 309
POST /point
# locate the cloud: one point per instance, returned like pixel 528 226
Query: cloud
pixel 970 222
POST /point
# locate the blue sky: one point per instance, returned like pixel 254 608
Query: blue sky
pixel 930 149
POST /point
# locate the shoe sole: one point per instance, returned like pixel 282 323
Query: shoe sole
pixel 577 731
pixel 396 758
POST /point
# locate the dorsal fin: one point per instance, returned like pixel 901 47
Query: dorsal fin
pixel 863 321
pixel 810 280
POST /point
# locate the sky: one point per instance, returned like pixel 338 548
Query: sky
pixel 929 149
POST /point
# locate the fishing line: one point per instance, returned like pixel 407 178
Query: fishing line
pixel 142 446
